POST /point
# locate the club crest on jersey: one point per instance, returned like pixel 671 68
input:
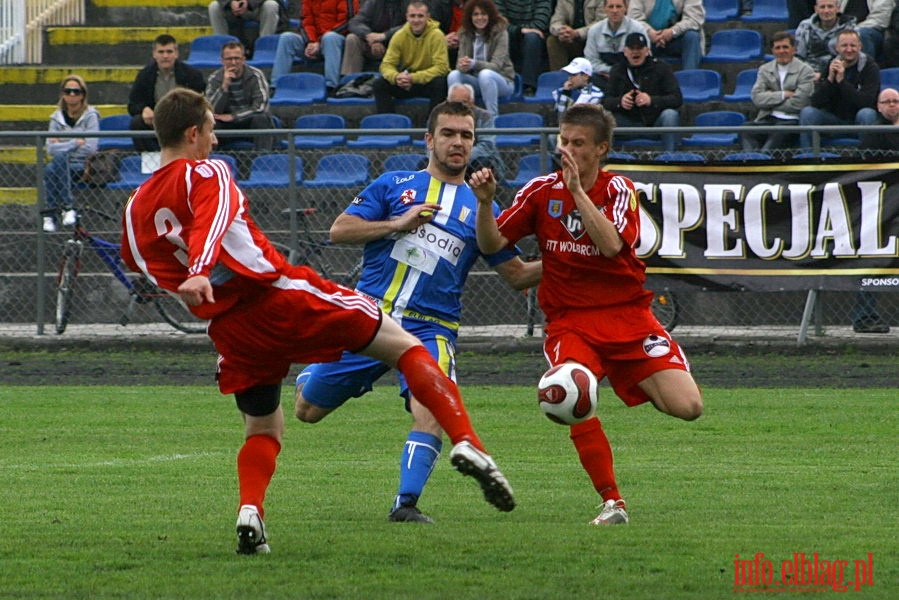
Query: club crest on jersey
pixel 555 208
pixel 407 197
pixel 574 225
pixel 656 346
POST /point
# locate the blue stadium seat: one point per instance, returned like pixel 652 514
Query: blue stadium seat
pixel 517 94
pixel 273 171
pixel 715 118
pixel 621 156
pixel 206 51
pixel 340 170
pixel 889 78
pixel 819 156
pixel 699 85
pixel 130 175
pixel 718 11
pixel 546 83
pixel 737 156
pixel 264 51
pixel 405 162
pixel 528 168
pixel 299 89
pixel 115 123
pixel 734 45
pixel 679 157
pixel 743 88
pixel 514 121
pixel 319 121
pixel 383 121
pixel 767 10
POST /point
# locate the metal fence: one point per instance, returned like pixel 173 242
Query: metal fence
pixel 29 257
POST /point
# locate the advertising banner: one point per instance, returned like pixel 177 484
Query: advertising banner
pixel 769 227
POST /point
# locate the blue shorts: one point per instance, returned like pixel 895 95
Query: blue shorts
pixel 329 385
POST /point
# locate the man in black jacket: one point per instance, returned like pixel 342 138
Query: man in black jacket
pixel 152 83
pixel 370 31
pixel 643 92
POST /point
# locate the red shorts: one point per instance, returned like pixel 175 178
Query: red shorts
pixel 301 319
pixel 627 345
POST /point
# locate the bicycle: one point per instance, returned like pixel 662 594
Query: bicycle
pixel 140 289
pixel 304 249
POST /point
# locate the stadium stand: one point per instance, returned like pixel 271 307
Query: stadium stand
pixel 273 170
pixel 205 51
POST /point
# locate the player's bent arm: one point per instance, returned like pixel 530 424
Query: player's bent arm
pixel 490 240
pixel 600 229
pixel 350 229
pixel 519 274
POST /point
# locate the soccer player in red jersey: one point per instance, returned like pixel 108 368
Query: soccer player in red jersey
pixel 189 230
pixel 587 223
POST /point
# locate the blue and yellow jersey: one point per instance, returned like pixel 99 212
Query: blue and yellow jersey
pixel 419 274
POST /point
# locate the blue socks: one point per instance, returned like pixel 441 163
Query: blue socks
pixel 420 453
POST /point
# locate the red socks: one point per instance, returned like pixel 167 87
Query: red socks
pixel 255 467
pixel 595 452
pixel 438 394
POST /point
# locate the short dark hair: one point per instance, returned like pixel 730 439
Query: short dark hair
pixel 233 44
pixel 591 115
pixel 176 112
pixel 784 35
pixel 164 39
pixel 448 108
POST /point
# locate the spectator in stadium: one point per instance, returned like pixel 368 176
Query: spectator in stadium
pixel 797 10
pixel 528 25
pixel 68 155
pixel 153 82
pixel 449 13
pixel 484 153
pixel 231 17
pixel 605 40
pixel 370 32
pixel 416 62
pixel 264 313
pixel 847 91
pixel 568 27
pixel 782 88
pixel 484 61
pixel 890 57
pixel 643 92
pixel 674 28
pixel 239 96
pixel 392 219
pixel 816 36
pixel 578 88
pixel 320 37
pixel 888 114
pixel 597 311
pixel 872 17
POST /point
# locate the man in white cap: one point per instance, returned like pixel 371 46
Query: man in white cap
pixel 578 88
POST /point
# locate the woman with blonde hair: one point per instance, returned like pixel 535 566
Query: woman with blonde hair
pixel 484 61
pixel 68 155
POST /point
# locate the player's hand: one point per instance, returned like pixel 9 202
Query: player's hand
pixel 570 172
pixel 483 184
pixel 196 290
pixel 418 214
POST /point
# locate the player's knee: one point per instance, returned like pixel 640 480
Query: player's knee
pixel 304 410
pixel 690 408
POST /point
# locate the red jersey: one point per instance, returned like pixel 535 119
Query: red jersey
pixel 191 219
pixel 575 274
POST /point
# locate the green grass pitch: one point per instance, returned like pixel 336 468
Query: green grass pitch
pixel 130 492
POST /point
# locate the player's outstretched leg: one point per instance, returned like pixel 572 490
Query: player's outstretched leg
pixel 468 460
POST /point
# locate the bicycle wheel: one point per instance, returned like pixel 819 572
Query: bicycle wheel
pixel 308 255
pixel 664 307
pixel 176 314
pixel 65 284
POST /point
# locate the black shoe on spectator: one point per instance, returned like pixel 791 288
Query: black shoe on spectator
pixel 870 325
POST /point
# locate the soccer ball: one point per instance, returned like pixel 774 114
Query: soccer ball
pixel 567 393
